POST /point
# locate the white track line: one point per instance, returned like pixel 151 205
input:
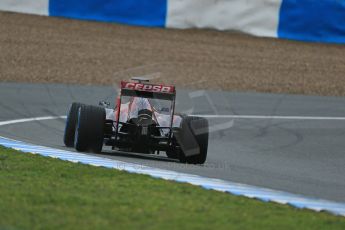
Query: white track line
pixel 2 123
pixel 269 117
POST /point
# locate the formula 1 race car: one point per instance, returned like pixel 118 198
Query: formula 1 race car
pixel 143 121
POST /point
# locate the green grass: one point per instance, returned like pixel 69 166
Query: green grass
pixel 44 193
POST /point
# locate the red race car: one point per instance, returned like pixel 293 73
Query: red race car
pixel 143 121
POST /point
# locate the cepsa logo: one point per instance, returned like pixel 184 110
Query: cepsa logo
pixel 149 88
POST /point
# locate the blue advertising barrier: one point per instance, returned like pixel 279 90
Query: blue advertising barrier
pixel 310 20
pixel 304 20
pixel 131 12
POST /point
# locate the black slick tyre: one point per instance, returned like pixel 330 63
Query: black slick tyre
pixel 89 132
pixel 71 121
pixel 199 128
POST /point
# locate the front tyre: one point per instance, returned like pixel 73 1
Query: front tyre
pixel 71 121
pixel 89 132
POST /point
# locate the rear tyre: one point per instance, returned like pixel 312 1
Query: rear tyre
pixel 71 121
pixel 199 128
pixel 89 132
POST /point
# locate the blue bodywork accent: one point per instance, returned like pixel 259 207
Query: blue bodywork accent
pixel 76 135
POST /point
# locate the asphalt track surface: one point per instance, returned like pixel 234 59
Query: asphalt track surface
pixel 298 155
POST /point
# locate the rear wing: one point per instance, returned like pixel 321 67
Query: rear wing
pixel 147 90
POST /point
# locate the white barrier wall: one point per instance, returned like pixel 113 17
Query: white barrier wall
pixel 257 17
pixel 40 7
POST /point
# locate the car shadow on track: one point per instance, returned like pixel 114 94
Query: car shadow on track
pixel 137 156
pixel 108 153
